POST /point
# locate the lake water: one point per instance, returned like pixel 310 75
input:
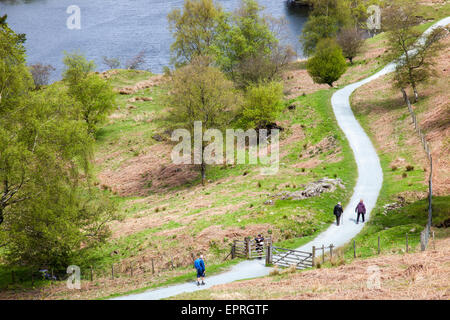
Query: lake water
pixel 115 28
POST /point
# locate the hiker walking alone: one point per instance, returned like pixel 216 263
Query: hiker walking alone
pixel 259 241
pixel 199 264
pixel 360 210
pixel 338 212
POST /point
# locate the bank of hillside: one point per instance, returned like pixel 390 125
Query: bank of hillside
pixel 421 275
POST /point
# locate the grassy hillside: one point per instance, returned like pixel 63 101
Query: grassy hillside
pixel 168 215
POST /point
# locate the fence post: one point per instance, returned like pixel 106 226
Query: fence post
pixel 430 195
pixel 406 243
pixel 92 274
pixel 354 249
pixel 112 271
pixel 269 254
pixel 153 266
pixel 131 269
pixel 313 256
pixel 379 248
pixel 323 254
pixel 331 251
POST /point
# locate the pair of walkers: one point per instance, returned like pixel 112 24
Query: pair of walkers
pixel 360 210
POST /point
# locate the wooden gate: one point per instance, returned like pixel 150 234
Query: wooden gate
pixel 287 257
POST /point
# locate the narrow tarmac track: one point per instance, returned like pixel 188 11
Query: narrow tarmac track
pixel 368 185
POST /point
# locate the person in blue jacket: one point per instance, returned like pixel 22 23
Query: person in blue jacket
pixel 199 264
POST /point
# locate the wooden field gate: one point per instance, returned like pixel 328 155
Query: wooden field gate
pixel 282 257
pixel 288 257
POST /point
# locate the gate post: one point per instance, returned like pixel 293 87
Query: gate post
pixel 247 247
pixel 233 250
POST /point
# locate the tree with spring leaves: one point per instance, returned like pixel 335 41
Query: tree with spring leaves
pixel 201 92
pixel 47 208
pixel 94 97
pixel 194 29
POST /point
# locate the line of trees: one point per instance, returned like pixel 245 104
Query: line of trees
pixel 228 67
pixel 48 207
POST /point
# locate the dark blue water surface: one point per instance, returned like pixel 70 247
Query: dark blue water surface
pixel 115 28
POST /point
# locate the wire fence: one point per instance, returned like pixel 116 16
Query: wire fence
pixel 425 235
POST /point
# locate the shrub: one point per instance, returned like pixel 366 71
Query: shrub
pixel 275 271
pixel 409 168
pixel 328 64
pixel 263 104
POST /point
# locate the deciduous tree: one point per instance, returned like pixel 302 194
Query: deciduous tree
pixel 351 40
pixel 194 29
pixel 200 92
pixel 94 96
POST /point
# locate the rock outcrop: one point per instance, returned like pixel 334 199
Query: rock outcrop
pixel 312 189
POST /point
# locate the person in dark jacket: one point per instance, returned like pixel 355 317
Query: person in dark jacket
pixel 199 264
pixel 338 212
pixel 360 210
pixel 259 241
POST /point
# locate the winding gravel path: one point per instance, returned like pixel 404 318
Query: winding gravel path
pixel 370 179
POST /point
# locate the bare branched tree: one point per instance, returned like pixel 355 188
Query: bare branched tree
pixel 351 40
pixel 41 74
pixel 112 63
pixel 137 61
